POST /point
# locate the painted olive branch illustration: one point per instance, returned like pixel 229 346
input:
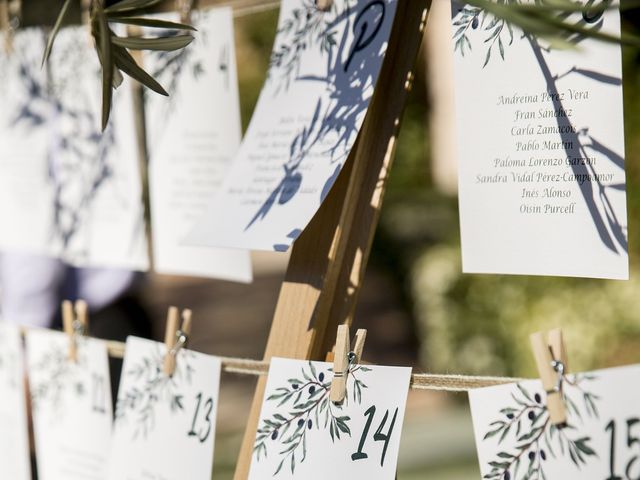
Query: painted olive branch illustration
pixel 539 437
pixel 307 403
pixel 53 376
pixel 474 18
pixel 308 26
pixel 149 387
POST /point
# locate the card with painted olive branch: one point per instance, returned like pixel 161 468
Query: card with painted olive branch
pixel 516 441
pixel 14 436
pixel 302 434
pixel 323 71
pixel 71 406
pixel 165 425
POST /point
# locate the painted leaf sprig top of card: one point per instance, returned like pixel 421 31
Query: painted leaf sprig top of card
pixel 322 74
pixel 516 441
pixel 540 149
pixel 71 405
pixel 302 434
pixel 165 426
pixel 67 189
pixel 14 436
pixel 193 136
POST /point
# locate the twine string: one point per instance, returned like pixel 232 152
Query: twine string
pixel 419 381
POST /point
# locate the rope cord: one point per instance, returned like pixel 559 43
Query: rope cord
pixel 419 381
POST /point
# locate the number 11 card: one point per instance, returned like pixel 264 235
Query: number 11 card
pixel 165 425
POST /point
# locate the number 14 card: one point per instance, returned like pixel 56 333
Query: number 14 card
pixel 165 425
pixel 302 434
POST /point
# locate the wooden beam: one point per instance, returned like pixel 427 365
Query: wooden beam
pixel 328 260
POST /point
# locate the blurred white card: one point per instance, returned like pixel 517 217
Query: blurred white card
pixel 25 138
pixel 193 136
pixel 14 436
pixel 516 441
pixel 540 149
pixel 67 189
pixel 303 435
pixel 71 402
pixel 165 426
pixel 323 71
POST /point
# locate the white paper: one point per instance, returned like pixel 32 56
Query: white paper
pixel 165 426
pixel 540 149
pixel 323 71
pixel 303 435
pixel 71 405
pixel 193 135
pixel 24 136
pixel 603 417
pixel 14 436
pixel 66 189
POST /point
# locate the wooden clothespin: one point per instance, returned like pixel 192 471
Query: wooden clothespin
pixel 176 337
pixel 75 321
pixel 551 359
pixel 85 9
pixel 344 358
pixel 5 24
pixel 185 7
pixel 324 5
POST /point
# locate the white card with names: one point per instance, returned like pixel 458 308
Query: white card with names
pixel 323 71
pixel 303 435
pixel 71 405
pixel 515 440
pixel 540 144
pixel 193 136
pixel 14 434
pixel 165 426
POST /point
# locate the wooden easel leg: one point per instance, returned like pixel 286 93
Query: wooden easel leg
pixel 329 259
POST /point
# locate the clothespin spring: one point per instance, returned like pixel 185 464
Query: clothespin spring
pixel 176 338
pixel 351 360
pixel 558 366
pixel 181 341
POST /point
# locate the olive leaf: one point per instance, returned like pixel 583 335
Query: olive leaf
pixel 112 50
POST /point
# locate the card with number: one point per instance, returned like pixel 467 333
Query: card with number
pixel 516 441
pixel 302 434
pixel 71 404
pixel 165 425
pixel 14 436
pixel 193 135
pixel 323 71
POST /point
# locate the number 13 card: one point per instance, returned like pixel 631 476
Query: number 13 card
pixel 165 425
